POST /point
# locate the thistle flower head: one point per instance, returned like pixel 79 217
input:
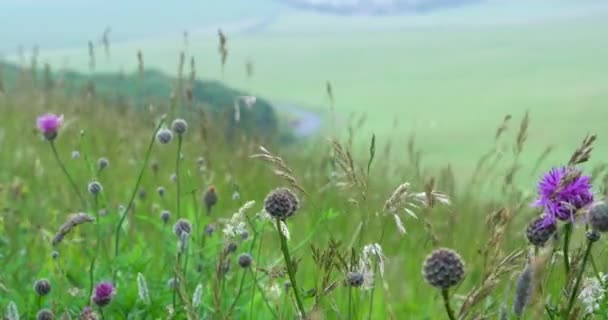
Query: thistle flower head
pixel 49 124
pixel 562 192
pixel 443 269
pixel 45 314
pixel 179 126
pixel 598 216
pixel 103 294
pixel 94 188
pixel 182 226
pixel 281 203
pixel 42 287
pixel 355 279
pixel 103 163
pixel 539 231
pixel 164 136
pixel 245 260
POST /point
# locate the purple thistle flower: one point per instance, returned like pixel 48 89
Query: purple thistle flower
pixel 561 192
pixel 103 294
pixel 48 124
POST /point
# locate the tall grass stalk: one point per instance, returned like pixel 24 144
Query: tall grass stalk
pixel 135 191
pixel 290 269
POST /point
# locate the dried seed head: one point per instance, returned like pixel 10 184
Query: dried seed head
pixel 164 136
pixel 210 198
pixel 165 216
pixel 179 126
pixel 102 163
pixel 443 268
pixel 598 216
pixel 281 203
pixel 45 314
pixel 160 191
pixel 538 231
pixel 73 221
pixel 94 188
pixel 523 291
pixel 182 226
pixel 245 260
pixel 230 247
pixel 42 287
pixel 592 236
pixel 355 279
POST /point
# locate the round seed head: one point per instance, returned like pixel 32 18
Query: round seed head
pixel 200 161
pixel 160 191
pixel 443 268
pixel 182 226
pixel 179 126
pixel 244 235
pixel 142 194
pixel 164 136
pixel 42 287
pixel 94 188
pixel 103 163
pixel 230 247
pixel 592 235
pixel 155 165
pixel 173 177
pixel 538 231
pixel 281 203
pixel 209 229
pixel 598 216
pixel 210 198
pixel 45 314
pixel 355 279
pixel 165 216
pixel 75 154
pixel 245 260
pixel 55 255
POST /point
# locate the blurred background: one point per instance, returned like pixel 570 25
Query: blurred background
pixel 447 70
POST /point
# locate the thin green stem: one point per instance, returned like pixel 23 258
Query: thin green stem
pixel 567 232
pixel 67 174
pixel 579 277
pixel 238 294
pixel 446 304
pixel 371 298
pixel 257 285
pixel 96 253
pixel 290 270
pixel 255 274
pixel 134 193
pixel 177 174
pixel 596 271
pixel 350 302
pixel 176 283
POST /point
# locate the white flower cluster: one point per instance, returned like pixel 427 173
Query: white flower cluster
pixel 593 293
pixel 236 226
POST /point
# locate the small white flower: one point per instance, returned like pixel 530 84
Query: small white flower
pixel 236 226
pixel 593 293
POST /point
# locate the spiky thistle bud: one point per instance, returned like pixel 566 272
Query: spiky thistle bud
pixel 598 216
pixel 94 188
pixel 355 279
pixel 45 314
pixel 164 136
pixel 142 194
pixel 182 226
pixel 281 203
pixel 592 235
pixel 245 260
pixel 179 126
pixel 102 163
pixel 230 247
pixel 538 231
pixel 209 229
pixel 443 268
pixel 165 215
pixel 42 287
pixel 210 198
pixel 160 191
pixel 103 294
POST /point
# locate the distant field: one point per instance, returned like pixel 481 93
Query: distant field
pixel 449 82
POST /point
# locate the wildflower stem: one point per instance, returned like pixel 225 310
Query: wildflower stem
pixel 567 231
pixel 596 271
pixel 257 285
pixel 290 270
pixel 579 277
pixel 350 301
pixel 238 294
pixel 255 274
pixel 92 266
pixel 134 193
pixel 371 298
pixel 446 304
pixel 178 182
pixel 67 174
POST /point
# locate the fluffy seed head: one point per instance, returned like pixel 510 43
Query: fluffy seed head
pixel 443 268
pixel 103 294
pixel 598 216
pixel 94 187
pixel 103 163
pixel 538 231
pixel 245 260
pixel 164 136
pixel 281 203
pixel 182 226
pixel 45 314
pixel 179 126
pixel 42 287
pixel 355 279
